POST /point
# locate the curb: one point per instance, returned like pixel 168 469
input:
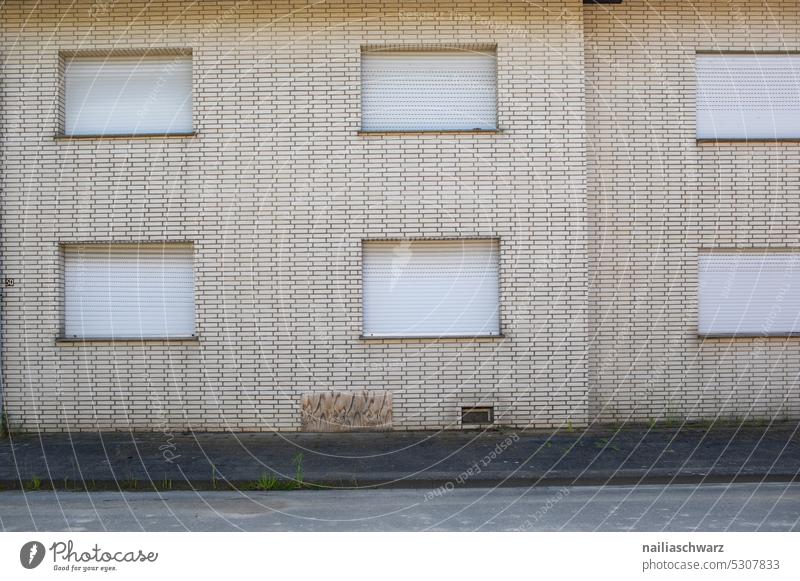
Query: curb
pixel 372 484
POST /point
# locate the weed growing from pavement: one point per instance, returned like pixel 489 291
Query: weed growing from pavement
pixel 298 469
pixel 129 484
pixel 272 482
pixel 268 482
pixel 4 429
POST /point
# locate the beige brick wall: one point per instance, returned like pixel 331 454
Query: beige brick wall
pixel 277 190
pixel 656 197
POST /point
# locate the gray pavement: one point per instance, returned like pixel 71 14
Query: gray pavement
pixel 711 507
pixel 96 461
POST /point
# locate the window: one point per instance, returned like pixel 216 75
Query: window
pixel 428 90
pixel 749 293
pixel 748 96
pixel 128 95
pixel 128 291
pixel 431 289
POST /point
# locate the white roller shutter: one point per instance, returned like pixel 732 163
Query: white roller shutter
pixel 123 95
pixel 755 294
pixel 431 289
pixel 128 291
pixel 428 90
pixel 748 96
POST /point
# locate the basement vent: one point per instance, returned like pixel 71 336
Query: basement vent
pixel 477 416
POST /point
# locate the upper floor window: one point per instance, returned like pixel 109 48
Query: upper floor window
pixel 430 90
pixel 129 291
pixel 142 95
pixel 748 96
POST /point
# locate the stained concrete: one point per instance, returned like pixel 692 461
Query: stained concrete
pixel 401 459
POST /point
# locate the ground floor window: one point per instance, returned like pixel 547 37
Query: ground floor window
pixel 119 291
pixel 749 293
pixel 423 288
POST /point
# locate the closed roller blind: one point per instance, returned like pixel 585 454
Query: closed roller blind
pixel 128 291
pixel 749 294
pixel 748 96
pixel 431 289
pixel 120 96
pixel 433 90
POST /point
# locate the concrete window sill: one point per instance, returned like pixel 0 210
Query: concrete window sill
pixel 748 336
pixel 705 141
pixel 62 137
pixel 434 132
pixel 481 338
pixel 112 340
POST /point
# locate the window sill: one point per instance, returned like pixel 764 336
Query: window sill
pixel 433 132
pixel 708 140
pixel 112 340
pixel 383 338
pixel 748 336
pixel 63 137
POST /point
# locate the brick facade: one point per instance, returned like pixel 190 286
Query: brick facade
pixel 657 197
pixel 278 188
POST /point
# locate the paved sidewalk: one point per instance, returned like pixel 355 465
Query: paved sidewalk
pixel 401 459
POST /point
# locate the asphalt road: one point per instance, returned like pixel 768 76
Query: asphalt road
pixel 714 507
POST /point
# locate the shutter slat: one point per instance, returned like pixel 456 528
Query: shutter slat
pixel 120 96
pixel 436 90
pixel 748 96
pixel 129 291
pixel 749 294
pixel 431 289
